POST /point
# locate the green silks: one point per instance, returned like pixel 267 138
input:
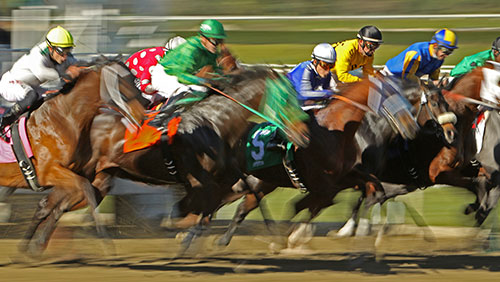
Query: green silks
pixel 280 104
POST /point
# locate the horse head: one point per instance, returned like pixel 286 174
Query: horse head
pixel 225 61
pixel 432 114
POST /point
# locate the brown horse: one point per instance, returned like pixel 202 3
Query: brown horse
pixel 322 193
pixel 59 133
pixel 443 165
pixel 201 148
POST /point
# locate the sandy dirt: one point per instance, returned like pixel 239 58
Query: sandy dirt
pixel 250 258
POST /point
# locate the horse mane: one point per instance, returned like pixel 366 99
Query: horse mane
pixel 216 110
pixel 88 66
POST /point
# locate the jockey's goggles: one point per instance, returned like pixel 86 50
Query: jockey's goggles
pixel 63 51
pixel 326 65
pixel 445 50
pixel 372 46
pixel 214 41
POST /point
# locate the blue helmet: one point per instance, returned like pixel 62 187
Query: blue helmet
pixel 445 37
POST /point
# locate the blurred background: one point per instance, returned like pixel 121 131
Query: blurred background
pixel 277 32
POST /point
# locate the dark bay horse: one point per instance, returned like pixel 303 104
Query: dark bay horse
pixel 201 148
pixel 321 193
pixel 433 162
pixel 59 132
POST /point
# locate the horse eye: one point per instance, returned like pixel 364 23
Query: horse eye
pixel 434 104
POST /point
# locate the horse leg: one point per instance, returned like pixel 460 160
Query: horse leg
pixel 489 200
pixel 248 204
pixel 251 201
pixel 315 203
pixel 102 183
pixel 71 194
pixel 349 227
pixel 42 212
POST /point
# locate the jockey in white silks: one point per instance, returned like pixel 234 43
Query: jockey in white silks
pixel 50 60
pixel 175 73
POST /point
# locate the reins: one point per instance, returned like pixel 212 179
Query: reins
pixel 352 102
pixel 244 106
pixel 463 98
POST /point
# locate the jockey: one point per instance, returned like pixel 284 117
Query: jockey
pixel 141 63
pixel 48 61
pixel 423 58
pixel 357 53
pixel 175 73
pixel 477 60
pixel 312 79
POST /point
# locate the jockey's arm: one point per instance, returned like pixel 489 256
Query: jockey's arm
pixel 343 66
pixel 185 71
pixel 307 91
pixel 410 67
pixel 434 76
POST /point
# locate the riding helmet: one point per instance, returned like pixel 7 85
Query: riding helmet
pixel 59 37
pixel 370 33
pixel 213 29
pixel 324 52
pixel 445 37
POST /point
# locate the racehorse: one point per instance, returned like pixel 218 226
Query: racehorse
pixel 200 148
pixel 324 166
pixel 59 132
pixel 433 162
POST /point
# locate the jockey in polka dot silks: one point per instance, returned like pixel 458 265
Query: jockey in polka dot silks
pixel 142 62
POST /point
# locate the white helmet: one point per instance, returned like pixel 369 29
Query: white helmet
pixel 174 42
pixel 324 52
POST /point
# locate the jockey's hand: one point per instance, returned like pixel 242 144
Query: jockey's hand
pixel 73 71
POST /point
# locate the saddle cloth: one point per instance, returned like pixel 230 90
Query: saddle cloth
pixel 256 154
pixel 149 135
pixel 6 152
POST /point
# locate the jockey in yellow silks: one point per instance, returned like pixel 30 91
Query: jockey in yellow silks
pixel 357 53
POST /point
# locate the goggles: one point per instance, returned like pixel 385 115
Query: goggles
pixel 445 50
pixel 326 65
pixel 372 46
pixel 63 51
pixel 214 41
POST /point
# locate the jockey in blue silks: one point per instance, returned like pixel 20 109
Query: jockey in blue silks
pixel 423 57
pixel 313 79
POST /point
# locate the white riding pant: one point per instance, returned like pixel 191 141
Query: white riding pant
pixel 168 85
pixel 13 90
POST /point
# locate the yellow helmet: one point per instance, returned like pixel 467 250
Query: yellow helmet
pixel 59 37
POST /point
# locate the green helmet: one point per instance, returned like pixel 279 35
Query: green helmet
pixel 213 29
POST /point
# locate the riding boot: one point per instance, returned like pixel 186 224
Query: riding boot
pixel 17 109
pixel 167 110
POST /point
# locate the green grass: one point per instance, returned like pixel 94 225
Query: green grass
pixel 438 206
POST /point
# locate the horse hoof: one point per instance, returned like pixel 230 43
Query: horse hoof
pixel 221 241
pixel 470 209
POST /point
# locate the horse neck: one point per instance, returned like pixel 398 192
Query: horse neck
pixel 77 108
pixel 343 116
pixel 470 84
pixel 226 117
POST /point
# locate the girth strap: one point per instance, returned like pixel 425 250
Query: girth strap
pixel 293 175
pixel 168 159
pixel 25 163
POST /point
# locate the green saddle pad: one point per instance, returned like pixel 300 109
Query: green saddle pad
pixel 257 155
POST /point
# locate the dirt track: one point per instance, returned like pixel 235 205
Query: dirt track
pixel 408 258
